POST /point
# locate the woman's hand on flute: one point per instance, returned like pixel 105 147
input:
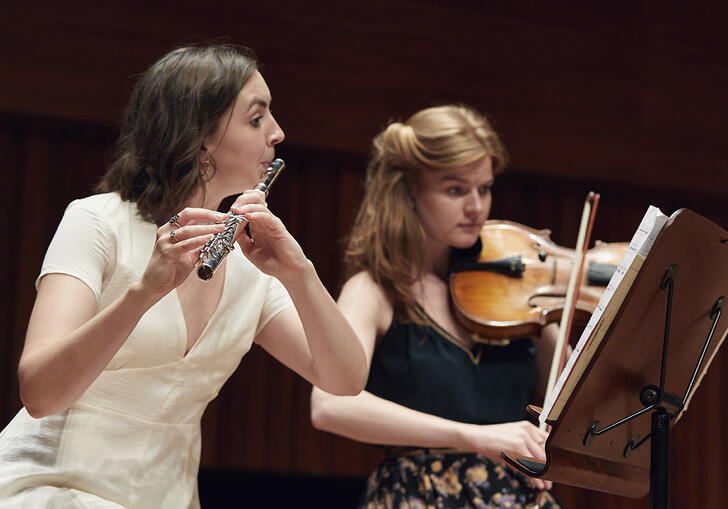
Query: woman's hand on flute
pixel 177 247
pixel 270 246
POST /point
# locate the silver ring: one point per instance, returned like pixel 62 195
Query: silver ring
pixel 171 235
pixel 174 221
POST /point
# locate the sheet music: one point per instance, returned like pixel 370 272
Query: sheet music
pixel 640 245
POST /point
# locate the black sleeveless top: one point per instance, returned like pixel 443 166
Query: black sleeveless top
pixel 428 369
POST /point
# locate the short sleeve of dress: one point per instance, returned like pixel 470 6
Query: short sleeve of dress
pixel 82 247
pixel 276 300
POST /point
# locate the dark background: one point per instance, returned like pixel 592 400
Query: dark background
pixel 627 99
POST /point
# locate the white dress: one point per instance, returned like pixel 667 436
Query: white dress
pixel 133 438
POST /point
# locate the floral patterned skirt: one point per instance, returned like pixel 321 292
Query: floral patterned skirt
pixel 426 479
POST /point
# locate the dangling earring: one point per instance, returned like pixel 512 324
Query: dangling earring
pixel 204 163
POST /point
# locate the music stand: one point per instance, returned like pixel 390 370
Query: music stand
pixel 651 359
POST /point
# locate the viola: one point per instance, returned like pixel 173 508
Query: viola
pixel 513 281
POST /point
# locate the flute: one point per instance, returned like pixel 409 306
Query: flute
pixel 218 247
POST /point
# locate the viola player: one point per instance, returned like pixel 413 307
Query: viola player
pixel 444 405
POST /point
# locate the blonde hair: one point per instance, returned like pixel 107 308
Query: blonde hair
pixel 387 236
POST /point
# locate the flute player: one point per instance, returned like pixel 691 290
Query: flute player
pixel 125 348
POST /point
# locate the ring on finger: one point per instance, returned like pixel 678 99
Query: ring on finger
pixel 172 235
pixel 174 221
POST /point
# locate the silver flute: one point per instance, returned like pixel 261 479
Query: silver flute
pixel 218 247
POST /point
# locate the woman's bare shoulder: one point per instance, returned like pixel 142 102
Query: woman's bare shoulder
pixel 362 297
pixel 363 284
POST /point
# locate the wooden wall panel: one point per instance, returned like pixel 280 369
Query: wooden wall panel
pixel 633 93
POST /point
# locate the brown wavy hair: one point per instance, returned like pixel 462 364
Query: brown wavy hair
pixel 387 237
pixel 175 104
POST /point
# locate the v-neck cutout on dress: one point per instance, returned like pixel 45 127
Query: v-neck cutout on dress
pixel 212 317
pixel 474 357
